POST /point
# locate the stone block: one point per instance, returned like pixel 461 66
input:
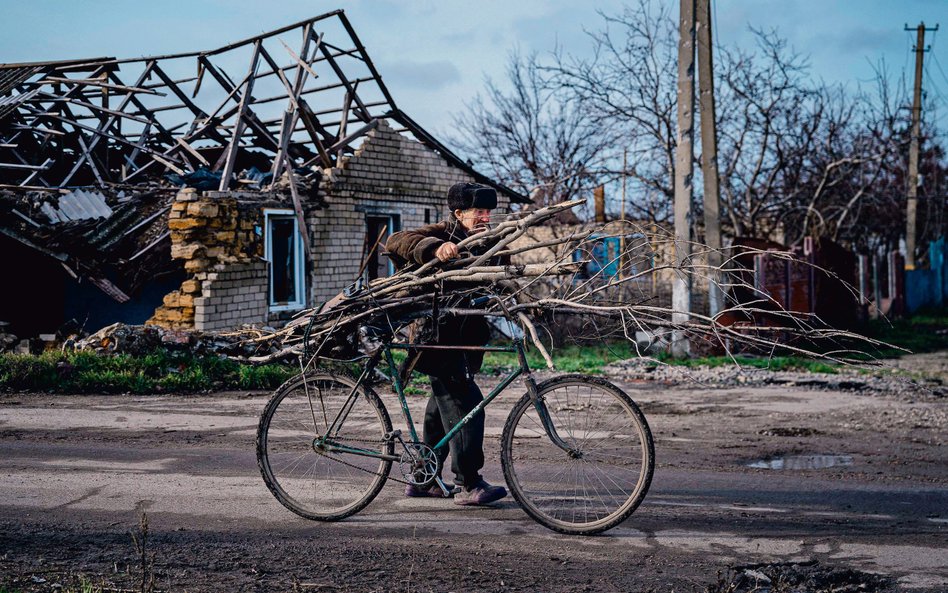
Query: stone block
pixel 168 315
pixel 187 251
pixel 176 299
pixel 196 265
pixel 182 224
pixel 191 287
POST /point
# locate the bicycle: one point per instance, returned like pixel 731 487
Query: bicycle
pixel 576 451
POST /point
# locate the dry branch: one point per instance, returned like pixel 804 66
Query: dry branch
pixel 550 286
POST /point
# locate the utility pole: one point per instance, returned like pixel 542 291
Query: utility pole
pixel 622 228
pixel 911 205
pixel 709 156
pixel 684 175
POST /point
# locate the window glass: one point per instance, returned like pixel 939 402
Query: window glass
pixel 283 260
pixel 284 252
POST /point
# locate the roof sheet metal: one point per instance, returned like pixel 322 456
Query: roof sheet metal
pixel 78 205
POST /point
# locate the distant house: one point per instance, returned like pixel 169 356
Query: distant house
pixel 135 190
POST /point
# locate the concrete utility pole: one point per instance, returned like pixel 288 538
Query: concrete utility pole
pixel 684 173
pixel 709 155
pixel 911 205
pixel 622 258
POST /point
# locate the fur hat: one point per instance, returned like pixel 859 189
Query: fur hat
pixel 462 196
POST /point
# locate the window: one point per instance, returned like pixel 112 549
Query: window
pixel 284 252
pixel 378 228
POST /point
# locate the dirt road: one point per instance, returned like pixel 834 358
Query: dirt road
pixel 853 482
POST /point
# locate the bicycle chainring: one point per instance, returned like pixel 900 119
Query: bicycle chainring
pixel 419 464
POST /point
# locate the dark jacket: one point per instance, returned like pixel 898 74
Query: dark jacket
pixel 418 246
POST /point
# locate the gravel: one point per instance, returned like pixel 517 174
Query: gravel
pixel 887 379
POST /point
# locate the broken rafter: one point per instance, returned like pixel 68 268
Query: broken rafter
pixel 151 245
pixel 357 134
pixel 245 114
pixel 238 128
pixel 99 83
pixel 146 135
pixel 108 123
pixel 315 129
pixel 367 60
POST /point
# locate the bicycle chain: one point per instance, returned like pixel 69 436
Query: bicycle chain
pixel 362 469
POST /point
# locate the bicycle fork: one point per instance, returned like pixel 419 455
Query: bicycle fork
pixel 539 404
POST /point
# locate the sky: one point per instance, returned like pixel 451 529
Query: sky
pixel 435 55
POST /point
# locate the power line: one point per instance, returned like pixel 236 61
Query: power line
pixel 938 64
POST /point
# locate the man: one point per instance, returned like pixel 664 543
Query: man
pixel 454 392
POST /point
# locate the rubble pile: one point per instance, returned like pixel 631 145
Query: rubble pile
pixel 7 340
pixel 139 340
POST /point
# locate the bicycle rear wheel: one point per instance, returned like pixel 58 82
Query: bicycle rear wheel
pixel 316 482
pixel 605 474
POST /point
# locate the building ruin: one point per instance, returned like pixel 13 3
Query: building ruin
pixel 209 189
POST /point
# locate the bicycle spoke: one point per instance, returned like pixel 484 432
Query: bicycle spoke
pixel 602 479
pixel 323 483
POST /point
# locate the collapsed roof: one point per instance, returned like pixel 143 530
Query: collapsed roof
pixel 292 100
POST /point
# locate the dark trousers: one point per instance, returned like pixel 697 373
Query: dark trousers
pixel 453 396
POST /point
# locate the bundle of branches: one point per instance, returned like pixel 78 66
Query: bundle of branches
pixel 613 277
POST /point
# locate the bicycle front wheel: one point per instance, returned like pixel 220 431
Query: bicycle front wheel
pixel 602 471
pixel 312 480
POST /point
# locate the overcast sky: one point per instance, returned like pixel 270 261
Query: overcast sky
pixel 435 54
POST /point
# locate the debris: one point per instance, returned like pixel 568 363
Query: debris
pixel 140 340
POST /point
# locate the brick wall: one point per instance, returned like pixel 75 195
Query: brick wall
pixel 232 295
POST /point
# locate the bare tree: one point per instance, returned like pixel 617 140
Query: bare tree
pixel 532 137
pixel 629 86
pixel 798 157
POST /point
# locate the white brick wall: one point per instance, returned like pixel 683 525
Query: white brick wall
pixel 232 296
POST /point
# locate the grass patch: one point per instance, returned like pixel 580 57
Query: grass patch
pixel 158 372
pixel 775 363
pixel 568 359
pixel 927 331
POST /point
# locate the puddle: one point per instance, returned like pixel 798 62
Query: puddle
pixel 803 462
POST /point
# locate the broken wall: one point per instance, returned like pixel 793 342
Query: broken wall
pixel 214 234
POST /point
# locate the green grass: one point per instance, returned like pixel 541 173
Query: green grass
pixel 159 372
pixel 568 359
pixel 775 363
pixel 919 333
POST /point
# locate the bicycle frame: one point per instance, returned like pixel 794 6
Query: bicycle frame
pixel 385 351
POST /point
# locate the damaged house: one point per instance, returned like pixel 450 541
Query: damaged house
pixel 210 189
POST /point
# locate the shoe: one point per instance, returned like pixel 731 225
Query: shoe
pixel 479 494
pixel 433 491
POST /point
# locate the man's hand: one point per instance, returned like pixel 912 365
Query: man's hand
pixel 447 251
